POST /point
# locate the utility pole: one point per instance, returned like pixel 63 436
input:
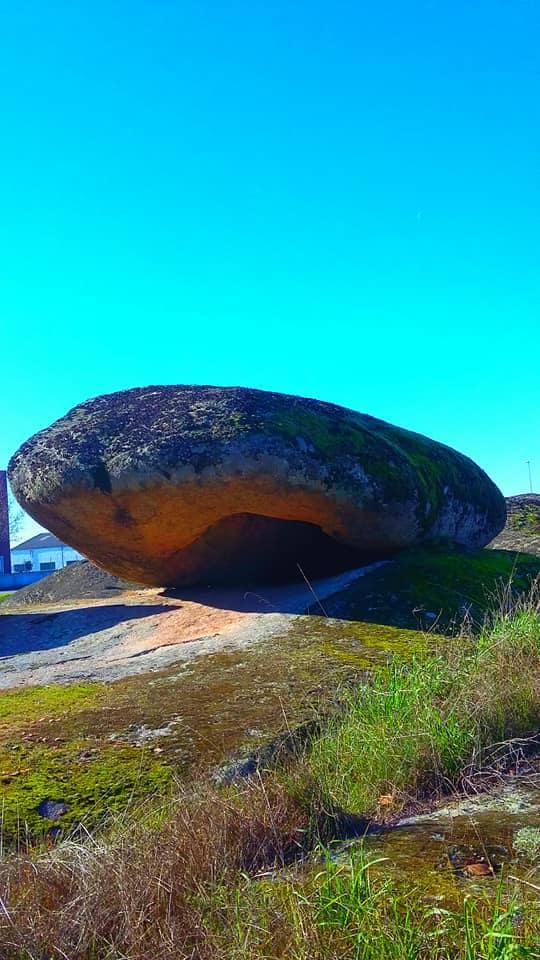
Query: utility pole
pixel 528 462
pixel 5 552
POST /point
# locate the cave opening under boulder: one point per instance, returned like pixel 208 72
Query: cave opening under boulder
pixel 251 548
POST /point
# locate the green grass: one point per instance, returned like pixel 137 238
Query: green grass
pixel 391 734
pixel 418 725
pixel 346 911
pixel 4 596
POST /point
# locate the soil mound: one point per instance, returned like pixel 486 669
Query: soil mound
pixel 78 581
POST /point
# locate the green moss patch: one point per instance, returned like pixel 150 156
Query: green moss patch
pixel 522 530
pixel 331 437
pixel 21 707
pixel 441 470
pixel 527 519
pixel 527 842
pixel 93 784
pixel 55 746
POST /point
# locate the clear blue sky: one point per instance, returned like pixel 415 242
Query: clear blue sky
pixel 339 199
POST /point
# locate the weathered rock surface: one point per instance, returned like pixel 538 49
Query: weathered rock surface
pixel 522 529
pixel 174 485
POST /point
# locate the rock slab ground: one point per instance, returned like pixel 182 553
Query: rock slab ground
pixel 144 631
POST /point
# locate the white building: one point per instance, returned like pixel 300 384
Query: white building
pixel 44 552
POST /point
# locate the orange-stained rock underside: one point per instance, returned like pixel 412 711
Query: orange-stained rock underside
pixel 167 535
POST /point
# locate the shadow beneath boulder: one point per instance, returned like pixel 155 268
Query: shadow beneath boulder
pixel 29 632
pixel 305 596
pixel 441 589
pixel 430 589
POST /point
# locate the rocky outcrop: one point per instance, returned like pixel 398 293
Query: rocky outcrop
pixel 174 485
pixel 522 529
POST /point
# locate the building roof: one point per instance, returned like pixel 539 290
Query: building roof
pixel 41 541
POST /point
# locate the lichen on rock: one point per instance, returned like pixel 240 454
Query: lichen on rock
pixel 175 485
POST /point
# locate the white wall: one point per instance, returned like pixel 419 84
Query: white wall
pixel 60 556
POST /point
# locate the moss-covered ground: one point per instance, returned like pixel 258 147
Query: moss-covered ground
pixel 100 748
pixel 436 588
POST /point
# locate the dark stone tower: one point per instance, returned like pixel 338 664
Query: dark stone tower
pixel 5 556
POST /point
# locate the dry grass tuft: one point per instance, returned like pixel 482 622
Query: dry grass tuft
pixel 147 895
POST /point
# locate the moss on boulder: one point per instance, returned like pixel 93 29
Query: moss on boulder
pixel 180 484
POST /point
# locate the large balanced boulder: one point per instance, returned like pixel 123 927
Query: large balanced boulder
pixel 175 485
